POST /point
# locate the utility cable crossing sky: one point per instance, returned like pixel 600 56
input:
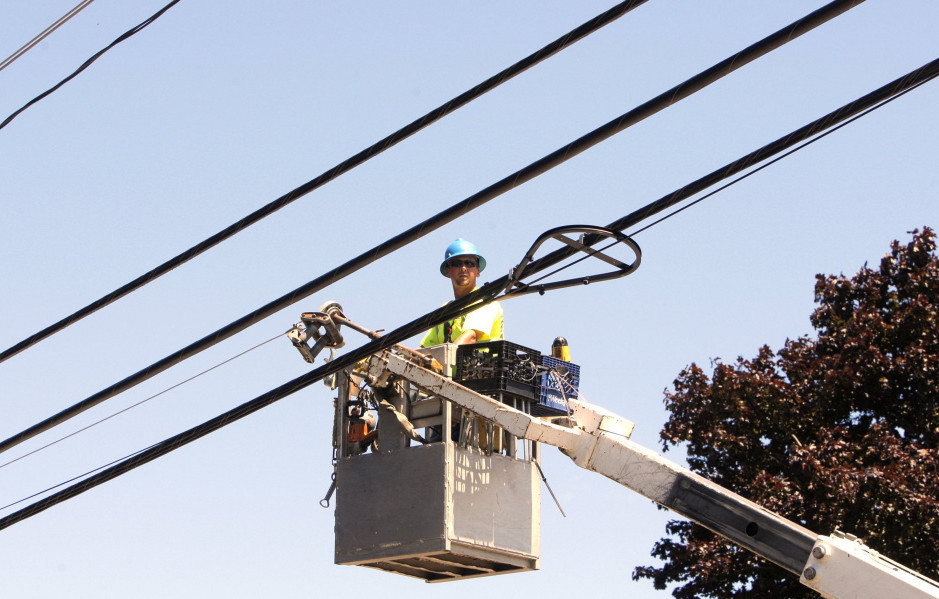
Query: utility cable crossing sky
pixel 131 32
pixel 374 150
pixel 485 294
pixel 539 167
pixel 44 34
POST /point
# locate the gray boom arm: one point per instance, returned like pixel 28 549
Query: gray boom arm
pixel 598 440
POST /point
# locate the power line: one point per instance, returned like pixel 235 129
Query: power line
pixel 780 157
pixel 877 97
pixel 158 449
pixel 913 79
pixel 74 478
pixel 88 62
pixel 751 159
pixel 521 176
pixel 377 148
pixel 135 405
pixel 471 301
pixel 44 34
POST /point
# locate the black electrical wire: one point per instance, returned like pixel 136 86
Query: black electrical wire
pixel 521 176
pixel 139 403
pixel 377 148
pixel 87 63
pixel 469 302
pixel 778 158
pixel 74 478
pixel 756 158
pixel 913 79
pixel 154 451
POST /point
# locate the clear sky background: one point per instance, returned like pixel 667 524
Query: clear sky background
pixel 220 107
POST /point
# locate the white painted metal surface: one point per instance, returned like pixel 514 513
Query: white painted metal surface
pixel 842 567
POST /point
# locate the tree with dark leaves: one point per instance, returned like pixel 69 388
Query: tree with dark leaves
pixel 836 433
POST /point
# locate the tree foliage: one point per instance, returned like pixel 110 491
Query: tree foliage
pixel 836 432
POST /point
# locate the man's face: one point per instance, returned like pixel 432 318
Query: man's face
pixel 463 271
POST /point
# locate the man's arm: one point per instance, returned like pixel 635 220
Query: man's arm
pixel 468 336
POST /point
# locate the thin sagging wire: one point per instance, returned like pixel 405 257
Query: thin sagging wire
pixel 735 181
pixel 73 479
pixel 485 294
pixel 87 63
pixel 533 170
pixel 778 158
pixel 44 34
pixel 377 148
pixel 132 406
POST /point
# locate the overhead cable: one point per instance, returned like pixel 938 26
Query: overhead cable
pixel 450 214
pixel 805 139
pixel 140 403
pixel 897 87
pixel 44 34
pixel 65 482
pixel 87 63
pixel 764 165
pixel 158 449
pixel 469 302
pixel 377 148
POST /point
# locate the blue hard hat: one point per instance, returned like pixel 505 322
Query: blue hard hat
pixel 461 247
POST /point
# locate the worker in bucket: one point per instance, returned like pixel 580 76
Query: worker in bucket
pixel 462 264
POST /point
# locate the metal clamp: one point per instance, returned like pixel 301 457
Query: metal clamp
pixel 309 328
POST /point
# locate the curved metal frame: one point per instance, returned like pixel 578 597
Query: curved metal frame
pixel 516 288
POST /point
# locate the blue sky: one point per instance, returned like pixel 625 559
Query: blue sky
pixel 217 109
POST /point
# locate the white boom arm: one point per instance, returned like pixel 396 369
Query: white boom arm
pixel 839 566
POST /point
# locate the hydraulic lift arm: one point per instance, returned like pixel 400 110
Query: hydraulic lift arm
pixel 838 566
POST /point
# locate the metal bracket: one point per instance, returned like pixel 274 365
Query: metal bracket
pixel 841 565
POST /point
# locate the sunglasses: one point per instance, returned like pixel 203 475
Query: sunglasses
pixel 459 263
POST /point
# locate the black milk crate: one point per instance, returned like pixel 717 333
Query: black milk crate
pixel 550 400
pixel 495 367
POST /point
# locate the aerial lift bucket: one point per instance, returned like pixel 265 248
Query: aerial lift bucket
pixel 439 511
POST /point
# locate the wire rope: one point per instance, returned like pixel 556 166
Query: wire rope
pixel 140 403
pixel 377 148
pixel 471 301
pixel 44 34
pixel 127 34
pixel 74 478
pixel 521 176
